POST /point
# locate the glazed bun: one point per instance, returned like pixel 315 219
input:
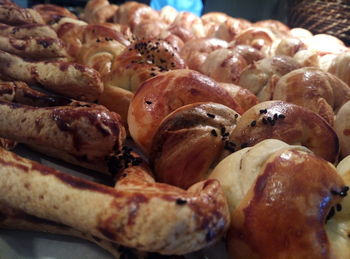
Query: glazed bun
pixel 290 123
pixel 163 94
pixel 190 141
pixel 275 192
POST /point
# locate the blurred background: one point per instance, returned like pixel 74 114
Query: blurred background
pixel 253 10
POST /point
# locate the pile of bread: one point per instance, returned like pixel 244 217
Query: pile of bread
pixel 242 131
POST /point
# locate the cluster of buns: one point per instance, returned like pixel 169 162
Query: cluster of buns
pixel 239 125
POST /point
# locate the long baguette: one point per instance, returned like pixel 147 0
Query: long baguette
pixel 137 213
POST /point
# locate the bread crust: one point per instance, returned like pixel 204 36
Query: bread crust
pixel 137 213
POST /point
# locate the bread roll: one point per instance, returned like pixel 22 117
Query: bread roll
pixel 281 197
pixel 313 88
pixel 161 95
pixel 190 141
pixel 290 123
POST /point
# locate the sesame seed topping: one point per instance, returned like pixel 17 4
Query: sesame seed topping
pixel 211 115
pixel 213 133
pixel 148 102
pixel 180 201
pixel 236 115
pixel 281 116
pixel 264 111
pixel 253 123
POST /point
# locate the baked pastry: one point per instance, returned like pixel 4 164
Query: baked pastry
pixel 196 51
pixel 27 30
pixel 163 94
pixel 168 14
pixel 99 11
pixel 142 60
pixel 133 13
pixel 190 141
pixel 15 15
pixel 342 127
pixel 313 88
pixel 34 48
pixel 290 123
pixel 70 79
pixel 80 135
pixel 53 13
pixel 339 67
pixel 282 200
pixel 137 213
pixel 261 77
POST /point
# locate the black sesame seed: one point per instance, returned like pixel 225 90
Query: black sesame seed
pixel 275 116
pixel 148 102
pixel 222 130
pixel 230 146
pixel 264 111
pixel 244 145
pixel 180 201
pixel 281 116
pixel 236 115
pixel 339 207
pixel 213 133
pixel 98 40
pixel 210 236
pixel 264 120
pixel 153 74
pixel 330 214
pixel 253 123
pixel 211 115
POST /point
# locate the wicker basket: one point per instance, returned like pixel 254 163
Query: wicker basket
pixel 321 16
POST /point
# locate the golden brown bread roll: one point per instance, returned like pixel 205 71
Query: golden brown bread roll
pixel 140 61
pixel 229 29
pixel 53 13
pixel 214 17
pixel 261 77
pixel 289 46
pixel 161 95
pixel 14 15
pixel 133 13
pixel 190 141
pixel 245 98
pixel 27 30
pixel 190 22
pixel 195 51
pixel 282 201
pixel 342 127
pixel 150 29
pixel 78 134
pixel 290 123
pixel 34 48
pixel 224 65
pixel 168 14
pixel 137 213
pixel 70 79
pixel 278 28
pixel 85 41
pixel 99 11
pixel 340 67
pixel 313 88
pixel 17 219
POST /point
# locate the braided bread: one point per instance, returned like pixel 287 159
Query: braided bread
pixel 52 13
pixel 14 15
